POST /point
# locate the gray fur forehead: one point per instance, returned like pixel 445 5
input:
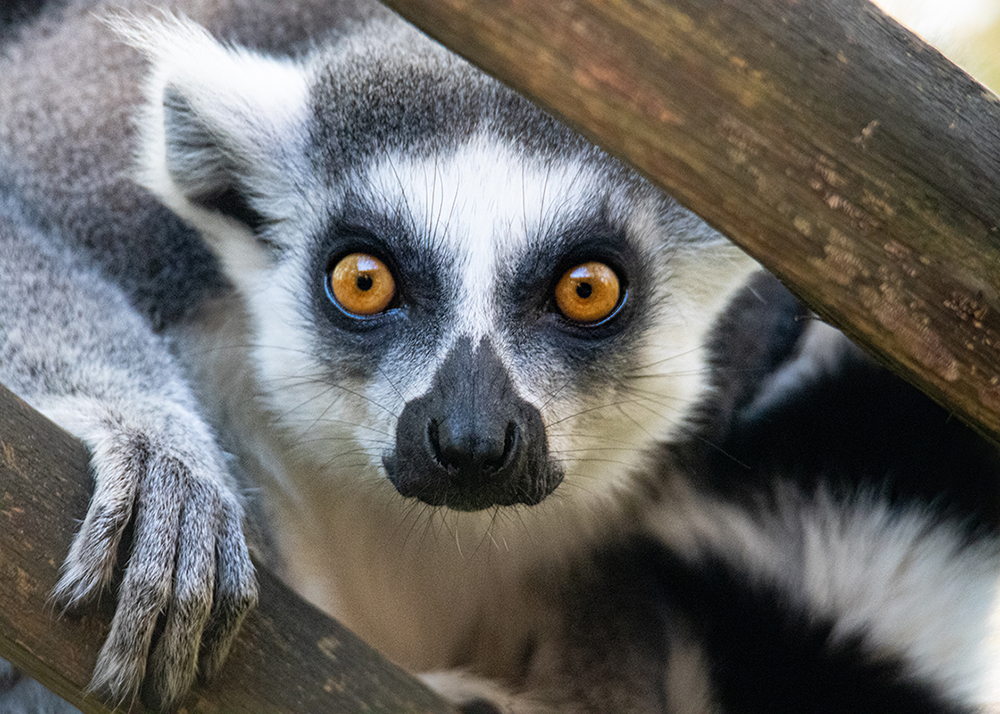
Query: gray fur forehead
pixel 388 88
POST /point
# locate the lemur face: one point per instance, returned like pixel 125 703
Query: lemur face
pixel 484 303
pixel 452 295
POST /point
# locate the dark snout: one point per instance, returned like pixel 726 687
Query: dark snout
pixel 471 442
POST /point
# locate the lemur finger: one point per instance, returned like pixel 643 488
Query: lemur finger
pixel 118 459
pixel 148 582
pixel 235 591
pixel 174 662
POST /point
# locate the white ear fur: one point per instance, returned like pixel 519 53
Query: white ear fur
pixel 222 128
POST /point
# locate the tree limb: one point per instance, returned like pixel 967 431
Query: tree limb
pixel 841 151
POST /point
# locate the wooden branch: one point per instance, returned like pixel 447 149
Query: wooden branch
pixel 289 656
pixel 846 155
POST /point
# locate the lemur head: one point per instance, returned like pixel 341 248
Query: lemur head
pixel 450 291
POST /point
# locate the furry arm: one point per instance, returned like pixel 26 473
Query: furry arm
pixel 289 657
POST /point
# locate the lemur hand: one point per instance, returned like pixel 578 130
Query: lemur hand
pixel 159 476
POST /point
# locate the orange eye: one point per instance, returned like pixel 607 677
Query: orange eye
pixel 588 293
pixel 362 284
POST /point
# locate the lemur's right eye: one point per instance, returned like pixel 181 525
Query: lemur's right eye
pixel 362 284
pixel 588 293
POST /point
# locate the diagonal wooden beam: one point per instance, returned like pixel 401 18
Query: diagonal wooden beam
pixel 841 151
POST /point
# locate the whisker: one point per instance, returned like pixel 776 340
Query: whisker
pixel 587 450
pixel 330 421
pixel 673 373
pixel 590 410
pixel 297 407
pixel 664 360
pixel 552 395
pixel 362 441
pixel 589 437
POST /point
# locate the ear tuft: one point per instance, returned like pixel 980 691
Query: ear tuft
pixel 224 129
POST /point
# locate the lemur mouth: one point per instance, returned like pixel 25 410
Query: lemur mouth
pixel 472 442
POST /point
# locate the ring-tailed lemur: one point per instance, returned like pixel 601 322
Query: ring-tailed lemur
pixel 467 362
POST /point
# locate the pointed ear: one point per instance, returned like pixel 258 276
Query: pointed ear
pixel 224 129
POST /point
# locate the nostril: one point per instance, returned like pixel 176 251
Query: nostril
pixel 498 455
pixel 434 440
pixel 511 440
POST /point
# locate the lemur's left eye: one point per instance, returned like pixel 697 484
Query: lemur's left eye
pixel 362 284
pixel 588 293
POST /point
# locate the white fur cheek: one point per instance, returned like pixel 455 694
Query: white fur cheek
pixel 341 429
pixel 295 392
pixel 598 456
pixel 602 442
pixel 602 439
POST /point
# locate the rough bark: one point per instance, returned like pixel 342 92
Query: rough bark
pixel 841 151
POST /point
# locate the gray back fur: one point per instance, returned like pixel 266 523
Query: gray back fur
pixel 69 89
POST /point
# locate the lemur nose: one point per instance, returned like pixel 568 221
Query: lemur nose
pixel 459 446
pixel 471 442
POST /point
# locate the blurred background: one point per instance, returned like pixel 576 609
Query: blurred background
pixel 967 31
